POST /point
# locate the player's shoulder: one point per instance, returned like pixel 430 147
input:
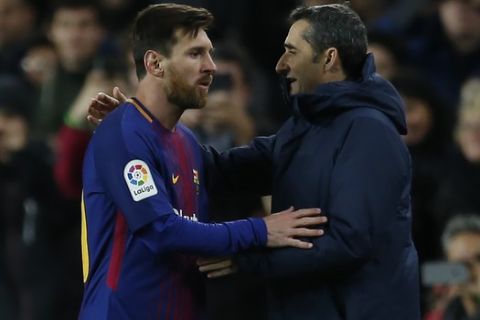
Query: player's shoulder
pixel 127 117
pixel 125 125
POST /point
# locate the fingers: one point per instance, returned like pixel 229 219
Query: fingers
pixel 305 232
pixel 289 210
pixel 93 120
pixel 307 212
pixel 204 261
pixel 94 116
pixel 119 95
pixel 310 221
pixel 96 112
pixel 216 266
pixel 296 243
pixel 221 273
pixel 108 101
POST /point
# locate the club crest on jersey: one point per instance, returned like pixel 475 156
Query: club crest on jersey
pixel 196 181
pixel 139 181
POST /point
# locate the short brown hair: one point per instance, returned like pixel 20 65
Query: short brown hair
pixel 155 26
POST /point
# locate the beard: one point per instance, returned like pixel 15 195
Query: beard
pixel 182 94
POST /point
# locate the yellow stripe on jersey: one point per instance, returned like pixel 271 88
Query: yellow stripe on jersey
pixel 85 253
pixel 140 110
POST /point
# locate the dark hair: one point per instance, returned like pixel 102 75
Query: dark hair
pixel 469 223
pixel 394 45
pixel 155 26
pixel 411 83
pixel 75 5
pixel 338 26
pixel 15 99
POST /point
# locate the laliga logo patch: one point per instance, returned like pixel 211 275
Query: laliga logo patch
pixel 139 182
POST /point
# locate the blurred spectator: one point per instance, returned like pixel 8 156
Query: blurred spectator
pixel 17 26
pixel 74 134
pixel 309 3
pixel 428 140
pixel 385 16
pixel 458 191
pixel 13 140
pixel 76 32
pixel 461 243
pixel 226 122
pixel 387 51
pixel 121 13
pixel 30 210
pixel 446 46
pixel 391 16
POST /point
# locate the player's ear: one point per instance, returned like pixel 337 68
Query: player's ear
pixel 154 63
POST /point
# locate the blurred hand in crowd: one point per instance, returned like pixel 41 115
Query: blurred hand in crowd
pixel 13 135
pixel 39 63
pixel 465 248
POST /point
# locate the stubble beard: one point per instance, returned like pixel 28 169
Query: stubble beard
pixel 183 95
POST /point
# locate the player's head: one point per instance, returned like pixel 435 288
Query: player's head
pixel 170 46
pixel 77 32
pixel 325 43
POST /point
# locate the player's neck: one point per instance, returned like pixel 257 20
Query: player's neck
pixel 155 100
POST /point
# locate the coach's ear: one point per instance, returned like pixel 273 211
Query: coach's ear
pixel 153 62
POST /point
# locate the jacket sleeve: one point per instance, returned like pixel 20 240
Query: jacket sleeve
pixel 243 170
pixel 369 179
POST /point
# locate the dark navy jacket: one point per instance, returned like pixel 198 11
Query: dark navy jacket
pixel 342 152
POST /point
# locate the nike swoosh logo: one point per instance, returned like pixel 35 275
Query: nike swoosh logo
pixel 175 178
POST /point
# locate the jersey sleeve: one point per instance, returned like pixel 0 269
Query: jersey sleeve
pixel 129 171
pixel 126 167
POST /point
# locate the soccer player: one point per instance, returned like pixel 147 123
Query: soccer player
pixel 144 191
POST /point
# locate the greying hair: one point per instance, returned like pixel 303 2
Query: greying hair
pixel 337 26
pixel 460 224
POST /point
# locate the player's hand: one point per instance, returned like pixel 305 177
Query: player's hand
pixel 216 267
pixel 103 104
pixel 284 227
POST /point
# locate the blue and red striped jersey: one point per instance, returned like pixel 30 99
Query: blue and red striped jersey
pixel 143 202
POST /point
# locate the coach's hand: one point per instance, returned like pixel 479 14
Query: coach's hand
pixel 216 267
pixel 284 227
pixel 103 104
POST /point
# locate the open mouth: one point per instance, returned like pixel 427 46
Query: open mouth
pixel 205 83
pixel 289 82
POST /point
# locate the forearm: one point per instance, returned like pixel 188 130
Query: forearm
pixel 172 233
pixel 243 170
pixel 328 255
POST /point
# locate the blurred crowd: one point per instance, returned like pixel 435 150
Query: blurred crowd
pixel 55 56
